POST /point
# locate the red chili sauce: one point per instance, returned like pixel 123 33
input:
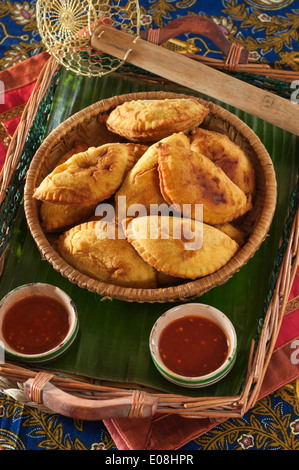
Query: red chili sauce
pixel 193 346
pixel 35 325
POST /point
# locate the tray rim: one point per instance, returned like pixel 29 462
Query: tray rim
pixel 210 407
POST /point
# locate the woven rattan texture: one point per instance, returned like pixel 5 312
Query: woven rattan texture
pixel 14 193
pixel 86 123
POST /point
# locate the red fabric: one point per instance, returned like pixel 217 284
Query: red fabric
pixel 290 325
pixel 24 72
pixel 13 99
pixel 18 82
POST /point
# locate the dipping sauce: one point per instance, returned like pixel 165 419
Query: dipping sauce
pixel 35 324
pixel 193 346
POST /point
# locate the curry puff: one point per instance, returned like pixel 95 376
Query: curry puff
pixel 88 177
pixel 178 246
pixel 233 232
pixel 57 217
pixel 190 181
pixel 152 120
pixel 79 146
pixel 142 185
pixel 227 155
pixel 96 250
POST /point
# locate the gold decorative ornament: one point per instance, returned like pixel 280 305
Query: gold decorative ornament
pixel 66 27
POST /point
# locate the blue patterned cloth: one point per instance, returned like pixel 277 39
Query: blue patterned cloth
pixel 267 28
pixel 273 424
pixel 26 428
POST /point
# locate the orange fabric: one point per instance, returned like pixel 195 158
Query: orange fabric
pixel 24 72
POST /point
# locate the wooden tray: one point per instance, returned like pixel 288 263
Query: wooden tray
pixel 123 399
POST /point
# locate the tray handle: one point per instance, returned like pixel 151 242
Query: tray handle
pixel 137 405
pixel 195 24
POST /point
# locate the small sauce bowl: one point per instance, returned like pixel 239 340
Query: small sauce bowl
pixel 38 322
pixel 193 345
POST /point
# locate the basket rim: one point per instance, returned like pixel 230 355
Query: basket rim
pixel 184 291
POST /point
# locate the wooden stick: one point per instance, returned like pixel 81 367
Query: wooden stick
pixel 253 68
pixel 189 73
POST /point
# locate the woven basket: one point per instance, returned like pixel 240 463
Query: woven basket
pixel 86 125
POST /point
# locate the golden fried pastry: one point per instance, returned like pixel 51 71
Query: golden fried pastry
pixel 139 150
pixel 227 155
pixel 95 249
pixel 57 217
pixel 152 120
pixel 141 185
pixel 88 177
pixel 189 179
pixel 180 247
pixel 233 232
pixel 79 146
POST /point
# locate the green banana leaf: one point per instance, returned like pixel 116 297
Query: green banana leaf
pixel 112 343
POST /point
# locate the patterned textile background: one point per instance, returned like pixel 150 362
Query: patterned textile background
pixel 267 28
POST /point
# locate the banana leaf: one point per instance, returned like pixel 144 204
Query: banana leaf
pixel 112 343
